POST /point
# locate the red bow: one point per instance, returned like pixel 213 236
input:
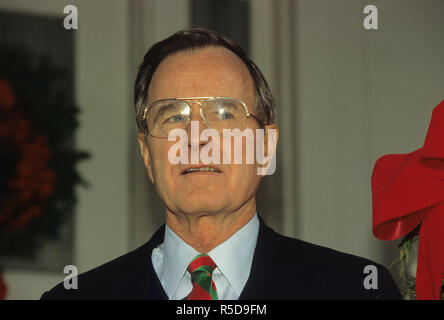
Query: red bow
pixel 408 189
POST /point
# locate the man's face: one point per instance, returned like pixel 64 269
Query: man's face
pixel 208 72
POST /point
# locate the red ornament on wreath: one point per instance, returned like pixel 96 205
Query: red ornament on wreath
pixel 28 180
pixel 3 288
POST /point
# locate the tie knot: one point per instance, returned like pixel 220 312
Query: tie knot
pixel 202 262
pixel 201 269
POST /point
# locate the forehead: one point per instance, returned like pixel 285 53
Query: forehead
pixel 207 72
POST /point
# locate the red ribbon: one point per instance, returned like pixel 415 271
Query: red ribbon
pixel 407 190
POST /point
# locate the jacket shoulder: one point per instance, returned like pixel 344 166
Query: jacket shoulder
pixel 337 274
pixel 102 282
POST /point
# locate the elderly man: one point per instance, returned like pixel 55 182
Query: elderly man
pixel 214 244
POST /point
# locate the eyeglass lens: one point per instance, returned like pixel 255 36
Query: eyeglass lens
pixel 219 114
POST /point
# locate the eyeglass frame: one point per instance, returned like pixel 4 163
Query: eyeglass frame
pixel 248 114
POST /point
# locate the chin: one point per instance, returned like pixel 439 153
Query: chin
pixel 203 204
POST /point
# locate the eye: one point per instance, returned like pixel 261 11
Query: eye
pixel 176 118
pixel 224 115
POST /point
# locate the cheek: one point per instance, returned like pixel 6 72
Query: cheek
pixel 162 168
pixel 243 178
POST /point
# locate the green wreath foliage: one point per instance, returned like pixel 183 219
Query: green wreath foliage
pixel 408 243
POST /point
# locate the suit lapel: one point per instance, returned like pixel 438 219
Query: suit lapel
pixel 143 282
pixel 270 267
pixel 156 291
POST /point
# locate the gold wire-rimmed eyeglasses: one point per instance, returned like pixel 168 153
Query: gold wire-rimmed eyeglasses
pixel 164 115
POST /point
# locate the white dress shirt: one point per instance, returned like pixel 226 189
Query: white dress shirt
pixel 233 258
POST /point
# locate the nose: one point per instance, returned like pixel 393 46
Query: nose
pixel 194 138
pixel 195 111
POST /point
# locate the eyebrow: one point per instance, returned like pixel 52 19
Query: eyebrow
pixel 227 103
pixel 164 109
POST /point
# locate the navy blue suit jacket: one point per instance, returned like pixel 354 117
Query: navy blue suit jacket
pixel 283 268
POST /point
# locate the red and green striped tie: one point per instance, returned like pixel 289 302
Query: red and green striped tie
pixel 201 269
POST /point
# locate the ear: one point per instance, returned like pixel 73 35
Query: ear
pixel 144 151
pixel 267 128
pixel 271 137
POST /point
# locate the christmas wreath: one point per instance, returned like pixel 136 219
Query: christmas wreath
pixel 37 158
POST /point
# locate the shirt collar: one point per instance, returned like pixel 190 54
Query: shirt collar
pixel 233 257
pixel 177 255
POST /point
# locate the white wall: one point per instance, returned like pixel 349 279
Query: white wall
pixel 361 94
pixel 334 208
pixel 346 96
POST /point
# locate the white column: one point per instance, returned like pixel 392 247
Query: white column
pixel 102 82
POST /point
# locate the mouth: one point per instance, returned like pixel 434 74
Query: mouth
pixel 200 169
